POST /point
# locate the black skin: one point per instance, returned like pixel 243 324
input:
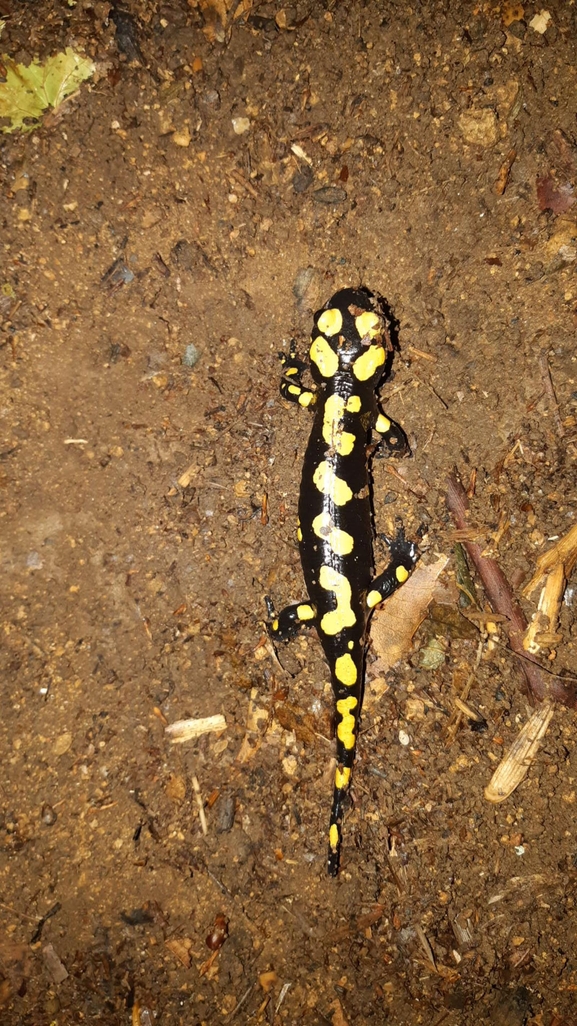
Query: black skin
pixel 343 559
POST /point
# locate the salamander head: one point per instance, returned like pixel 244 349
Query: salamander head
pixel 350 332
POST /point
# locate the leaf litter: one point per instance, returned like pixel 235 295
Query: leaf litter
pixel 31 90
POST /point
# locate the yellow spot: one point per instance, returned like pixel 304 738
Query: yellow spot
pixel 346 728
pixel 330 322
pixel 354 403
pixel 366 365
pixel 291 371
pixel 343 616
pixel 340 541
pixel 334 837
pixel 294 390
pixel 373 598
pixel 342 777
pixel 299 534
pixel 401 574
pixel 274 625
pixel 329 484
pixel 305 612
pixel 383 424
pixel 306 398
pixel 341 441
pixel 368 324
pixel 325 358
pixel 345 670
pixel 351 645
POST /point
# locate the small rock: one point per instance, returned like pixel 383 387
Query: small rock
pixel 48 815
pixel 240 125
pixel 303 279
pixel 540 22
pixel 225 817
pixel 330 194
pixel 302 179
pixel 210 100
pixel 183 254
pixel 55 967
pixel 62 744
pixel 191 355
pixel 286 17
pixel 182 138
pixel 290 765
pixel 306 290
pixel 479 127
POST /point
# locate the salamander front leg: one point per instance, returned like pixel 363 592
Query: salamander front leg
pixel 404 555
pixel 290 621
pixel 291 386
pixel 393 437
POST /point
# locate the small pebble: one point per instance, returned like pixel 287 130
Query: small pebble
pixel 48 815
pixel 302 179
pixel 183 254
pixel 303 279
pixel 210 100
pixel 191 355
pixel 240 125
pixel 225 815
pixel 330 194
pixel 62 744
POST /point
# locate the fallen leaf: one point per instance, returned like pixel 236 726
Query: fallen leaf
pixel 175 788
pixel 338 1018
pixel 556 196
pixel 515 765
pixel 30 90
pixel 511 13
pixel 394 625
pixel 218 13
pixel 54 965
pixel 180 948
pixel 292 718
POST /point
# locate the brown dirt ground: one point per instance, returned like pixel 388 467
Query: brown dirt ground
pixel 379 137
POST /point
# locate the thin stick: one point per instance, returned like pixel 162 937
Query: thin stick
pixel 244 997
pixel 548 382
pixel 502 599
pixel 200 803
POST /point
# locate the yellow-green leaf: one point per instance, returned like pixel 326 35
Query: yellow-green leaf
pixel 29 91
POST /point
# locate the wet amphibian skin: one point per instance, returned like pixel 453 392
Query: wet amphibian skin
pixel 348 351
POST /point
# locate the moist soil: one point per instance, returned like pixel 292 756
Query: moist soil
pixel 165 233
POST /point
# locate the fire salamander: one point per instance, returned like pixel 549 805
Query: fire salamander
pixel 349 347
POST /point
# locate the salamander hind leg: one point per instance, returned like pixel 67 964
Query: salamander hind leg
pixel 404 555
pixel 290 621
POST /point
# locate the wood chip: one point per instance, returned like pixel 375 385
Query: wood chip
pixel 513 768
pixel 186 730
pixel 554 568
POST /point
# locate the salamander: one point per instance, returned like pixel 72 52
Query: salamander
pixel 349 349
